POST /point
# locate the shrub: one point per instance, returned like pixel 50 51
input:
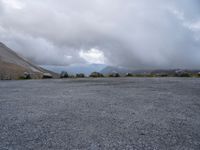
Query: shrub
pixel 80 75
pixel 26 76
pixel 184 74
pixel 114 75
pixel 64 74
pixel 129 75
pixel 96 75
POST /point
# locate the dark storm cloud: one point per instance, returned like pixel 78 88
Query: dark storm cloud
pixel 137 34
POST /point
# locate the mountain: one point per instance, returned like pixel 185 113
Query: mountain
pixel 110 69
pixel 13 66
pixel 87 69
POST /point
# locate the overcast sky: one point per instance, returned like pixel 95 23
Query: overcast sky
pixel 131 33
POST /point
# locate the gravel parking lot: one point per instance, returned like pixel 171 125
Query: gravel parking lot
pixel 107 113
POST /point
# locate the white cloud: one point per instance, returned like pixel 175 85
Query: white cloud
pixel 177 13
pixel 194 26
pixel 68 56
pixel 15 4
pixel 93 56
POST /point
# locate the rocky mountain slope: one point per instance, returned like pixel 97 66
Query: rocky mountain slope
pixel 13 66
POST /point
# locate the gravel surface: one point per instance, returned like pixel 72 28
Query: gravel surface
pixel 110 113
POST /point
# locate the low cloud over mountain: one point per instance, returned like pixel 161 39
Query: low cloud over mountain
pixel 138 34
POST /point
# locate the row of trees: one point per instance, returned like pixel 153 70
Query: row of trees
pixel 9 76
pixel 81 75
pixel 66 75
pixel 115 74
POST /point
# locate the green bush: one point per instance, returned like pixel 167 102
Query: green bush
pixel 129 75
pixel 64 74
pixel 80 75
pixel 114 75
pixel 96 75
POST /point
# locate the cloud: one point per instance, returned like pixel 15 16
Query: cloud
pixel 137 34
pixel 16 4
pixel 93 56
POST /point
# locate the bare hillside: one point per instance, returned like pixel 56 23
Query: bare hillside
pixel 13 66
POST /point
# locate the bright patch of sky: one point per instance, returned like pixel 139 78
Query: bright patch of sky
pixel 93 56
pixel 15 4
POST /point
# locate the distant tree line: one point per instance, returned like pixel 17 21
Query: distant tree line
pixel 8 76
pixel 116 74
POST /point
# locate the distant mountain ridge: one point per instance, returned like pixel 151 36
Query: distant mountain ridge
pixel 13 66
pixel 110 69
pixel 122 70
pixel 87 69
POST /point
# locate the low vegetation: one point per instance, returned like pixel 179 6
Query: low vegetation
pixel 80 75
pixel 64 74
pixel 114 74
pixel 129 75
pixel 96 75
